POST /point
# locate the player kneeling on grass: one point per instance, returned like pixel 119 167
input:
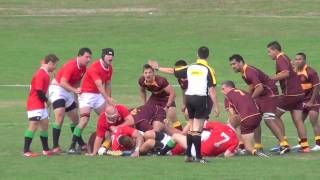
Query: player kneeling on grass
pixel 241 107
pixel 124 138
pixel 36 106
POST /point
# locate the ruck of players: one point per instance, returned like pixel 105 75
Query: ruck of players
pixel 82 86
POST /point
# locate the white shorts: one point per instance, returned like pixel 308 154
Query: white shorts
pixel 92 100
pixel 56 92
pixel 38 113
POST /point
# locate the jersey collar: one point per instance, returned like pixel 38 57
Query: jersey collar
pixel 78 64
pixel 45 70
pixel 280 54
pixel 102 65
pixel 202 61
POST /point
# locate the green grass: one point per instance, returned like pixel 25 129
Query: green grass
pixel 174 30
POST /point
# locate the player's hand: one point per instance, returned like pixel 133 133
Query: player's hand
pixel 183 108
pixel 216 111
pixel 308 104
pixel 154 64
pixel 111 101
pixel 113 128
pixel 77 91
pixel 135 154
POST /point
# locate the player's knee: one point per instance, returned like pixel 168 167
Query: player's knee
pixel 71 107
pixel 149 134
pixel 85 115
pixel 59 103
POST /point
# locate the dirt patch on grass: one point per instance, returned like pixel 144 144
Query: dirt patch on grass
pixel 11 103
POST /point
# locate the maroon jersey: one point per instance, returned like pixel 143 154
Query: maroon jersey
pixel 253 76
pixel 291 85
pixel 181 74
pixel 156 87
pixel 242 103
pixel 309 79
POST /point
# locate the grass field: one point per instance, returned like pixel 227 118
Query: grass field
pixel 139 30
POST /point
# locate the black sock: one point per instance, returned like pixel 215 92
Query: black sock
pixel 80 141
pixel 55 137
pixel 27 143
pixel 74 142
pixel 72 128
pixel 197 144
pixel 189 145
pixel 44 141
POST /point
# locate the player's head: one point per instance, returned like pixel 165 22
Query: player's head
pixel 50 61
pixel 84 56
pixel 112 114
pixel 227 86
pixel 148 72
pixel 236 62
pixel 107 55
pixel 126 141
pixel 180 63
pixel 274 48
pixel 203 52
pixel 300 59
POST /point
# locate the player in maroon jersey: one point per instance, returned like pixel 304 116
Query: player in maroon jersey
pixel 264 91
pixel 311 104
pixel 36 106
pixel 292 95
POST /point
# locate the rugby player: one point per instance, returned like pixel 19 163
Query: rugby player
pixel 36 106
pixel 95 93
pixel 292 95
pixel 62 91
pixel 113 118
pixel 265 93
pixel 162 96
pixel 311 103
pixel 241 107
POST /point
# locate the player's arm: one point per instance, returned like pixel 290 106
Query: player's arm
pixel 65 84
pixel 213 96
pixel 102 91
pixel 281 75
pixel 108 88
pixel 96 145
pixel 183 96
pixel 139 142
pixel 155 65
pixel 128 121
pixel 258 89
pixel 143 94
pixel 171 93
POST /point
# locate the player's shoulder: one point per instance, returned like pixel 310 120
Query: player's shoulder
pixel 161 81
pixel 141 80
pixel 121 107
pixel 311 70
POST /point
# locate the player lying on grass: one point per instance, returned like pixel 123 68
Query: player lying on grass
pixel 124 138
pixel 217 138
pixel 113 118
pixel 36 106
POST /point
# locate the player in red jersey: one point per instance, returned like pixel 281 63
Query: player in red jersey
pixel 264 91
pixel 62 91
pixel 241 107
pixel 217 138
pixel 95 93
pixel 36 106
pixel 292 95
pixel 113 118
pixel 162 96
pixel 310 84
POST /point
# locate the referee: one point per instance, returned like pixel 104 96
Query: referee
pixel 201 86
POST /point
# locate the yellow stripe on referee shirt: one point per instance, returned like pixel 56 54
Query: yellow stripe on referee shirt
pixel 205 63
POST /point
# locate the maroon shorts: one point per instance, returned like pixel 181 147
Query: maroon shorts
pixel 147 114
pixel 267 104
pixel 289 103
pixel 249 124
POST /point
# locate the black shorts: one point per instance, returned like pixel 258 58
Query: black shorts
pixel 197 106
